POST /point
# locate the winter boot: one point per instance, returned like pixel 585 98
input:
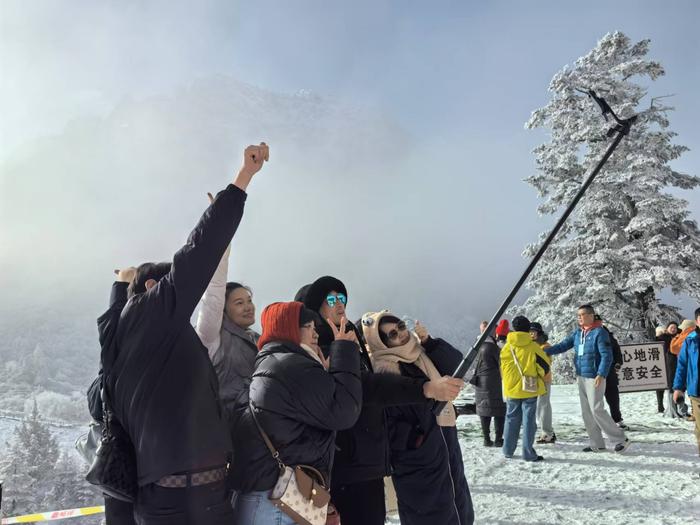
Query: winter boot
pixel 487 441
pixel 621 447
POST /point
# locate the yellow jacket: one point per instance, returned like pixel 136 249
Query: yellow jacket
pixel 532 360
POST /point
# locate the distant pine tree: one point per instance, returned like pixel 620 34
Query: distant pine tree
pixel 36 477
pixel 69 488
pixel 31 457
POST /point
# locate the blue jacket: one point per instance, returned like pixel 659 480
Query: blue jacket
pixel 597 352
pixel 687 377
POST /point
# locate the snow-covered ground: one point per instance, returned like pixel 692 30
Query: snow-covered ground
pixel 656 481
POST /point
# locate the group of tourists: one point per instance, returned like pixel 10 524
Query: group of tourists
pixel 513 381
pixel 230 426
pixel 673 336
pixel 216 412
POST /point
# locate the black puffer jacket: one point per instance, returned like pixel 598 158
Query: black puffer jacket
pixel 106 328
pixel 362 452
pixel 422 476
pixel 617 360
pixel 488 390
pixel 409 422
pixel 300 406
pixel 162 384
pixel 671 359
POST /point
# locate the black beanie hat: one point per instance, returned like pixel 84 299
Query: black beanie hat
pixel 520 324
pixel 319 289
pixel 536 327
pixel 306 316
pixel 301 294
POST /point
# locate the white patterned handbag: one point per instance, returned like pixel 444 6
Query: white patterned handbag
pixel 300 492
pixel 529 383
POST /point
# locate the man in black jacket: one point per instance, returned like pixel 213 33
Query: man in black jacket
pixel 117 512
pixel 612 382
pixel 161 382
pixel 362 452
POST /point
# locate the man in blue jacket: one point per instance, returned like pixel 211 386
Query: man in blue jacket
pixel 688 373
pixel 592 362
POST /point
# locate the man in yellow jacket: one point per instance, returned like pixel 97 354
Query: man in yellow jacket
pixel 523 368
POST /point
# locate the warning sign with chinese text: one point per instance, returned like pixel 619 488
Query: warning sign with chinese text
pixel 643 367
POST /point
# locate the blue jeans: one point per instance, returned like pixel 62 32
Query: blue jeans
pixel 520 412
pixel 255 508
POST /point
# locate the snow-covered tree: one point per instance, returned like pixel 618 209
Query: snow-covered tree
pixel 68 487
pixel 629 238
pixel 18 488
pixel 36 477
pixel 27 470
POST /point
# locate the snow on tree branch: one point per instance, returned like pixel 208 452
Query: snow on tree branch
pixel 629 238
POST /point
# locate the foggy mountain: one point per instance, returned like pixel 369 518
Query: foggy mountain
pixel 344 194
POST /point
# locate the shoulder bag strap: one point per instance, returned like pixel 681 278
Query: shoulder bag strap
pixel 517 364
pixel 275 453
pixel 106 409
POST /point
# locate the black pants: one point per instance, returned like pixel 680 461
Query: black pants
pixel 612 395
pixel 360 503
pixel 660 400
pixel 463 498
pixel 203 505
pixel 119 512
pixel 498 423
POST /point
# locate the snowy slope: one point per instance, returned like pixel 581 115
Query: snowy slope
pixel 657 481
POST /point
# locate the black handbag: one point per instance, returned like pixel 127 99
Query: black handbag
pixel 114 468
pixel 88 443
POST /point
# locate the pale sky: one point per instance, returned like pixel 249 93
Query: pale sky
pixel 456 80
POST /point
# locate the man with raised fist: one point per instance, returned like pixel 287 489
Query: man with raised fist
pixel 162 385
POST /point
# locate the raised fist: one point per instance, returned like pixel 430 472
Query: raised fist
pixel 126 275
pixel 254 157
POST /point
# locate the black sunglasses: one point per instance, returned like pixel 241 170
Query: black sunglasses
pixel 394 333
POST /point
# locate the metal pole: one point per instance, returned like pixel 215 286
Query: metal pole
pixel 622 128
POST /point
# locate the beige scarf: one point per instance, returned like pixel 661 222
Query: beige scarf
pixel 313 353
pixel 386 359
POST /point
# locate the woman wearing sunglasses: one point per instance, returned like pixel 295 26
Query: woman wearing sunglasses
pixel 362 452
pixel 428 471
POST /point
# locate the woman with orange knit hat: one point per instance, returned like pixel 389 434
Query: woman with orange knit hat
pixel 298 403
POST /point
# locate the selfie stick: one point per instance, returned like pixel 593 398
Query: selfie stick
pixel 620 129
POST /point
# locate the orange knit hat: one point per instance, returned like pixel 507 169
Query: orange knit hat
pixel 280 322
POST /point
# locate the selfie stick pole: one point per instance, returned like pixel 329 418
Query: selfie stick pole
pixel 620 129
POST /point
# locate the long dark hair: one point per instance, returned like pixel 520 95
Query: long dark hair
pixel 385 320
